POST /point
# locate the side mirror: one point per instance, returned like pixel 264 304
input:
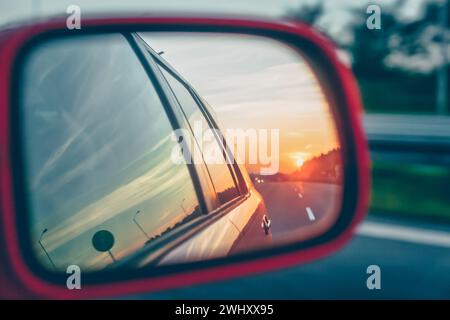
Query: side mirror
pixel 159 152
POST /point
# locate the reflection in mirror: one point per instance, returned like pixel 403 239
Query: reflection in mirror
pixel 222 144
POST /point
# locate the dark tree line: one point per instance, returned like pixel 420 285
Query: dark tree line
pixel 396 66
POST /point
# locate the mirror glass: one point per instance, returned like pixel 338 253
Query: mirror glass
pixel 149 149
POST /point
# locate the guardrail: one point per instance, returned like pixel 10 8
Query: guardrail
pixel 409 138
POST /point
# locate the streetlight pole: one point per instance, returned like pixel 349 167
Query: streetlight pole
pixel 43 248
pixel 139 226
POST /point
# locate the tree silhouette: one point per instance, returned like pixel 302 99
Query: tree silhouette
pixel 396 66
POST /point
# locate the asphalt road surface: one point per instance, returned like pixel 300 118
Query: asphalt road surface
pixel 413 256
pixel 293 205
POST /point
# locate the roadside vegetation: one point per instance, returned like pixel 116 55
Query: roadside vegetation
pixel 419 191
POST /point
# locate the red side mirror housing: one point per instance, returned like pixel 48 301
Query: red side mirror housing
pixel 18 279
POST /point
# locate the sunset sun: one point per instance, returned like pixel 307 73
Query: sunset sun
pixel 300 158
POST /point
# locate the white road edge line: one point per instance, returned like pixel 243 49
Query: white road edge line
pixel 310 214
pixel 402 233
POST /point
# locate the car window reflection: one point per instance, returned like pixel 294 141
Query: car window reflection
pixel 97 147
pixel 220 173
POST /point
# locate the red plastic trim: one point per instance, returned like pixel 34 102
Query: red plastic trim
pixel 17 280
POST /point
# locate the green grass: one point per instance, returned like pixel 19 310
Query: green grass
pixel 411 190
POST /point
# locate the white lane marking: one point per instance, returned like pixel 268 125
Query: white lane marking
pixel 408 234
pixel 310 214
pixel 300 195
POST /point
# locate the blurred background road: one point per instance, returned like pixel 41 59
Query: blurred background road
pixel 413 257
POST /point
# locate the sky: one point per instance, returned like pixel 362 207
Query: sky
pixel 255 83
